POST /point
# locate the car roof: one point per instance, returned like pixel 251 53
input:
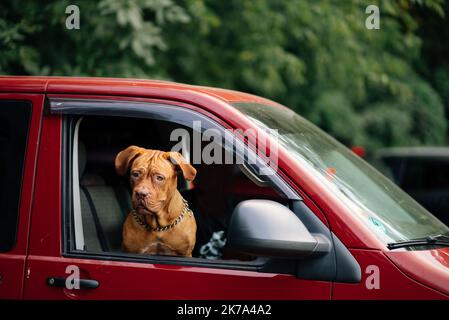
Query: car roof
pixel 414 152
pixel 114 86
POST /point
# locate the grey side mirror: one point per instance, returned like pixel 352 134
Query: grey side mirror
pixel 267 228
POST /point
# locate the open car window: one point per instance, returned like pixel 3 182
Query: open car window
pixel 102 198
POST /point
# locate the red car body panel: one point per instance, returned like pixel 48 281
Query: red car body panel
pixel 403 274
pixel 430 267
pixel 137 281
pixel 46 223
pixel 13 262
pixel 393 282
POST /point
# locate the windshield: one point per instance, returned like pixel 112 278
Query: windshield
pixel 379 203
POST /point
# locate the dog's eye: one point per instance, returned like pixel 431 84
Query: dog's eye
pixel 135 174
pixel 159 178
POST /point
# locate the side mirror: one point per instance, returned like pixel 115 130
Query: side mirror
pixel 267 228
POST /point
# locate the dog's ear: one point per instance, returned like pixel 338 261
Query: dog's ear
pixel 188 171
pixel 124 159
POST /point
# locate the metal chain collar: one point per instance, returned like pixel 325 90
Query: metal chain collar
pixel 144 223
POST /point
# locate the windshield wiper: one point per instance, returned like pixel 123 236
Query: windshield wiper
pixel 438 240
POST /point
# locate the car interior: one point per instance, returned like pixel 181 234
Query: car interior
pixel 105 196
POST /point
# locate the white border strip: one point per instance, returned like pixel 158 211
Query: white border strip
pixel 77 219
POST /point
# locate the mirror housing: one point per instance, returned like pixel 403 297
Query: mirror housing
pixel 267 228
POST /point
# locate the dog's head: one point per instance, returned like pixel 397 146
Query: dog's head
pixel 153 176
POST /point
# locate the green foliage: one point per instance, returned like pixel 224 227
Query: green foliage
pixel 441 78
pixel 360 85
pixel 116 38
pixel 434 65
pixel 418 121
pixel 318 58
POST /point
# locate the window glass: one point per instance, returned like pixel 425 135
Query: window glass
pixel 14 123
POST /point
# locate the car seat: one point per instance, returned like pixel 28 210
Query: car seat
pixel 104 208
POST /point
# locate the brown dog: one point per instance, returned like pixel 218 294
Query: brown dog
pixel 161 221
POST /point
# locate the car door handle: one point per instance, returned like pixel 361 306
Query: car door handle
pixel 61 282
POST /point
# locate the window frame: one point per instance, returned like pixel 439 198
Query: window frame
pixel 74 108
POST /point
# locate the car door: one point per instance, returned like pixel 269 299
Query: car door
pixel 60 267
pixel 20 116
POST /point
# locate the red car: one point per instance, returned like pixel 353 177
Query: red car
pixel 320 224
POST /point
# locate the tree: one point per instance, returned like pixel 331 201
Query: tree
pixel 434 65
pixel 317 57
pixel 116 38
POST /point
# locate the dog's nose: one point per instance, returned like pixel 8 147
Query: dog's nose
pixel 142 193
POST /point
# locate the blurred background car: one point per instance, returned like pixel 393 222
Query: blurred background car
pixel 423 172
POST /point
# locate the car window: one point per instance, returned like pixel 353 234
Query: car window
pixel 106 198
pixel 14 119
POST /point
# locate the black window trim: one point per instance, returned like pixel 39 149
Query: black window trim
pixel 71 109
pixel 27 136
